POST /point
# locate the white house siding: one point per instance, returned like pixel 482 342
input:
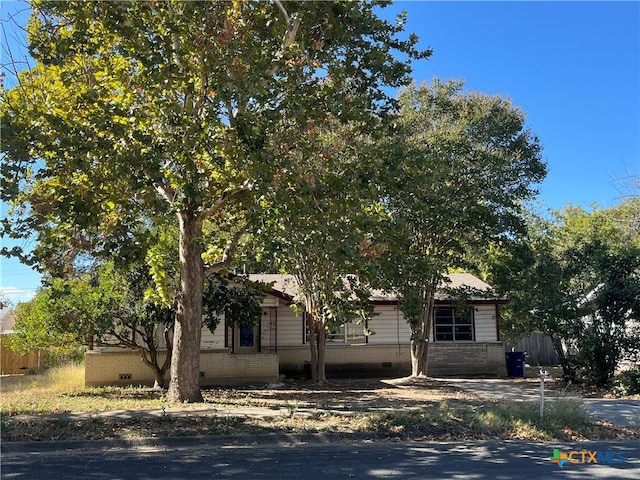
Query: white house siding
pixel 485 323
pixel 215 340
pixel 389 327
pixel 288 328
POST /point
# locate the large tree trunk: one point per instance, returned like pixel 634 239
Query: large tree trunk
pixel 184 383
pixel 313 344
pixel 321 374
pixel 317 345
pixel 420 340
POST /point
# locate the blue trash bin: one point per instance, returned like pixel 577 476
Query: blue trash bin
pixel 515 364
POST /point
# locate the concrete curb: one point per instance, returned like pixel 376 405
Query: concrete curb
pixel 281 439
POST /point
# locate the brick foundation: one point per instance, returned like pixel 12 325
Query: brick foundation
pixel 216 367
pixel 387 360
pixel 223 368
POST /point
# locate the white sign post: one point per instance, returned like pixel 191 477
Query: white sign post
pixel 542 376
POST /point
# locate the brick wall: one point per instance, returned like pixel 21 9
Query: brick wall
pixel 444 359
pixel 466 359
pixel 216 367
pixel 222 368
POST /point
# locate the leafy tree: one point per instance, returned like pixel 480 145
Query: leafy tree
pixel 607 308
pixel 600 256
pixel 139 110
pixel 35 329
pixel 465 163
pixel 580 284
pixel 104 307
pixel 316 227
pixel 110 308
pixel 525 270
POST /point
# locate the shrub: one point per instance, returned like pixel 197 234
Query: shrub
pixel 627 382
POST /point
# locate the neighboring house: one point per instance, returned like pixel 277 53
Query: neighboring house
pixel 460 344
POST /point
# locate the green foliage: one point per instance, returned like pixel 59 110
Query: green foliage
pixel 627 382
pixel 163 266
pixel 240 304
pixel 35 329
pixel 464 164
pixel 459 168
pixel 577 279
pixel 525 270
pixel 131 112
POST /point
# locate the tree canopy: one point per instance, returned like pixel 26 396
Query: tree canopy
pixel 576 277
pixel 464 164
pixel 318 218
pixel 137 111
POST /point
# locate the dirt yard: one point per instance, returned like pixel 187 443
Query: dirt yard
pixel 353 394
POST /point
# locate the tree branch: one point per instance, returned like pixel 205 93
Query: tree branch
pixel 166 192
pixel 227 254
pixel 224 197
pixel 289 37
pixel 278 4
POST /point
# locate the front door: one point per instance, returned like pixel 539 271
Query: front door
pixel 245 339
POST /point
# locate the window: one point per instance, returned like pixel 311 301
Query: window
pixel 247 334
pixel 347 333
pixel 451 326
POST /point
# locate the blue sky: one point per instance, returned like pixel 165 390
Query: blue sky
pixel 572 67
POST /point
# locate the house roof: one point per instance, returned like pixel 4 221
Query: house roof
pixel 283 284
pixel 480 291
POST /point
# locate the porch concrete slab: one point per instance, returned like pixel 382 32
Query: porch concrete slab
pixel 618 411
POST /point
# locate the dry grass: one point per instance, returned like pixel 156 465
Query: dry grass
pixel 56 379
pixel 422 409
pixel 61 389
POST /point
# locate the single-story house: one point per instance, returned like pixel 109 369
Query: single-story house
pixel 459 344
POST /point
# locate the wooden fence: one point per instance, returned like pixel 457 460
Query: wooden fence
pixel 14 363
pixel 538 347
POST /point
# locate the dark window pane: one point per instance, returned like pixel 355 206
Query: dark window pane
pixel 444 337
pixel 463 328
pixel 246 336
pixel 444 315
pixel 449 327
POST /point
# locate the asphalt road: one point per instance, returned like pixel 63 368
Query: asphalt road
pixel 195 459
